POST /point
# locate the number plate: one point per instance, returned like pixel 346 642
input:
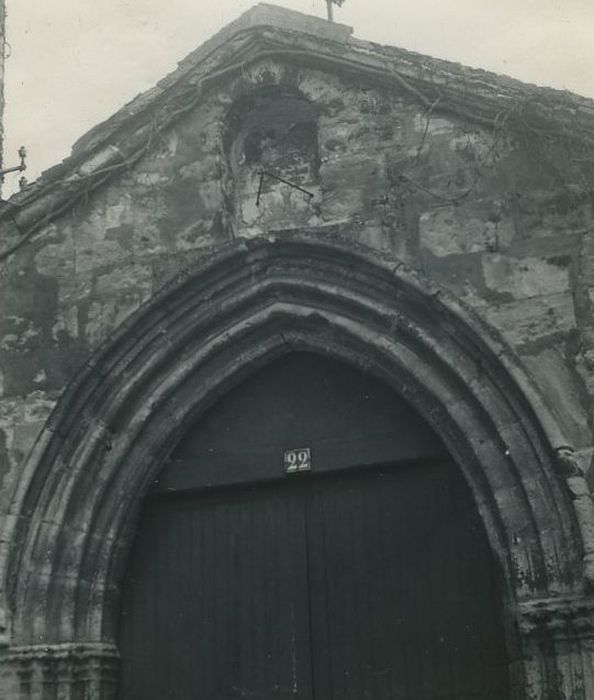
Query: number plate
pixel 298 460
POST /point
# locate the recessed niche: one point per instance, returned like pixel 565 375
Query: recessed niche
pixel 272 147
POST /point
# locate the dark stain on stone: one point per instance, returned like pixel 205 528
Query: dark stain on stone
pixel 560 260
pixel 333 107
pixel 123 235
pixel 184 207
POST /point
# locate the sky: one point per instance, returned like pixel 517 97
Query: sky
pixel 73 63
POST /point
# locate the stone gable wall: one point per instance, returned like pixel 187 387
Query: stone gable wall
pixel 502 219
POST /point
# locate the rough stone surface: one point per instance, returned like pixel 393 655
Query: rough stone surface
pixel 473 208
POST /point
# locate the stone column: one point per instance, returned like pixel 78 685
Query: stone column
pixel 557 637
pixel 85 671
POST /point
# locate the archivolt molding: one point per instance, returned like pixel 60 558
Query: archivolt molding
pixel 243 305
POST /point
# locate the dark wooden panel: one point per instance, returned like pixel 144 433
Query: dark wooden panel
pixel 215 602
pixel 373 584
pixel 403 591
pixel 345 416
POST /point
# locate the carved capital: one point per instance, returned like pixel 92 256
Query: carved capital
pixel 571 465
pixel 557 619
pixel 60 670
pixel 567 462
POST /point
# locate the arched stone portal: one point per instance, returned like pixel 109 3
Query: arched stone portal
pixel 366 573
pixel 243 305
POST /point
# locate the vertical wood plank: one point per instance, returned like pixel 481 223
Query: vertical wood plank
pixel 216 603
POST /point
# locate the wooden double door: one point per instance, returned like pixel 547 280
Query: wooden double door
pixel 369 582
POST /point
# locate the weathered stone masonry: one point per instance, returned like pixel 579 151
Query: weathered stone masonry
pixel 440 208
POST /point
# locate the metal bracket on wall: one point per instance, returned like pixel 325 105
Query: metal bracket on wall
pixel 266 173
pixel 17 168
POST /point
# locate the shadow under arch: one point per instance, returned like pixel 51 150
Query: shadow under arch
pixel 241 306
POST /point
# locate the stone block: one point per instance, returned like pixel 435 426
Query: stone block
pixel 56 260
pixel 342 204
pixel 375 237
pixel 346 137
pixel 473 146
pixel 118 213
pixel 211 196
pixel 76 288
pixel 37 407
pixel 104 318
pixel 123 279
pixel 21 420
pixel 434 126
pixel 285 205
pixel 452 230
pixel 360 172
pixel 205 168
pixel 543 213
pixel 19 334
pixel 99 253
pixel 329 93
pixel 196 235
pixel 587 261
pixel 150 179
pixel 532 320
pixel 524 277
pixel 562 391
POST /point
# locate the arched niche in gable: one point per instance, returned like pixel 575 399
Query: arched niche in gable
pixel 271 144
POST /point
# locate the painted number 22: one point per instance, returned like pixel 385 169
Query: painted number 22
pixel 298 460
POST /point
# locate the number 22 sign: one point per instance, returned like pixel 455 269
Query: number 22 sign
pixel 298 460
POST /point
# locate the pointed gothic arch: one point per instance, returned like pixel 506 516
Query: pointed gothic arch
pixel 232 312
